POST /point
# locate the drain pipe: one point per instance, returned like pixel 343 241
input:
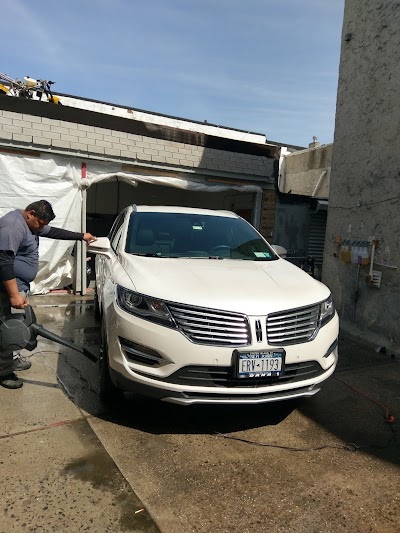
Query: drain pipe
pixel 323 174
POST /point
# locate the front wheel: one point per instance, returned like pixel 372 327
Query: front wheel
pixel 96 306
pixel 107 390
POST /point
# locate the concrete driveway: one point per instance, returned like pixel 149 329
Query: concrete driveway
pixel 69 463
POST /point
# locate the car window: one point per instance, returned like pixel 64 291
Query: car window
pixel 193 235
pixel 116 239
pixel 117 224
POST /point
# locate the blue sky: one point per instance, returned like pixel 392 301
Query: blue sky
pixel 269 66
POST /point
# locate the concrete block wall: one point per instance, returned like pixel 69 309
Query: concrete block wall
pixel 365 177
pixel 268 215
pixel 20 129
pixel 303 172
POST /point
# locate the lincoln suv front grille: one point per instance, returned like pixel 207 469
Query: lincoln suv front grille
pixel 293 326
pixel 210 326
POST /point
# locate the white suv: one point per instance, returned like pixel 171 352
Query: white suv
pixel 196 307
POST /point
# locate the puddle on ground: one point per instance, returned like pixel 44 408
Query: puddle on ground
pixel 100 470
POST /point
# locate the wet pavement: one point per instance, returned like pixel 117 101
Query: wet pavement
pixel 69 463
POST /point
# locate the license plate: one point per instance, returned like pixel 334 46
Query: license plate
pixel 260 364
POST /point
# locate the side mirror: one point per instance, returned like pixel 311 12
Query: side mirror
pixel 280 250
pixel 101 246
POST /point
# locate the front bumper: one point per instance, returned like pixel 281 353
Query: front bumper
pixel 177 353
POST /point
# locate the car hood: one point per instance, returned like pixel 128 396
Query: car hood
pixel 250 287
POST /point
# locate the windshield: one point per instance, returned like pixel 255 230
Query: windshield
pixel 191 235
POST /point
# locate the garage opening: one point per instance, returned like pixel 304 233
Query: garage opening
pixel 106 199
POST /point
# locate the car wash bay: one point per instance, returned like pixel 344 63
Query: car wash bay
pixel 138 464
pixel 106 200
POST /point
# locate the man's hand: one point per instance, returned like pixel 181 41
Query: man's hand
pixel 88 238
pixel 18 301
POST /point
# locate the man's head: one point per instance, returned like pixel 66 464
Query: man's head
pixel 38 214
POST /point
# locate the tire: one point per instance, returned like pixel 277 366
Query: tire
pixel 96 306
pixel 107 390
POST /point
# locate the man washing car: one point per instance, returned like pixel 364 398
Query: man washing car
pixel 19 262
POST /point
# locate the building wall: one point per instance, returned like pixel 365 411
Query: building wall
pixel 364 197
pixel 138 146
pixel 307 172
pixel 83 140
pixel 267 223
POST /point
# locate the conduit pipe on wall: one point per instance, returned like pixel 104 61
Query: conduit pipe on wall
pixel 323 173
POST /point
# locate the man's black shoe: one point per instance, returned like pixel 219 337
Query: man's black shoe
pixel 19 364
pixel 10 381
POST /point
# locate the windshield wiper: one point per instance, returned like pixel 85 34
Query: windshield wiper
pixel 148 254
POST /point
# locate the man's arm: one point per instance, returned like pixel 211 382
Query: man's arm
pixel 7 277
pixel 65 235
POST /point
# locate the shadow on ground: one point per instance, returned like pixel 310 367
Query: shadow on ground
pixel 350 407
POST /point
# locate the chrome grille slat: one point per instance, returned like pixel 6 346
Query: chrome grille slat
pixel 210 326
pixel 292 326
pixel 296 313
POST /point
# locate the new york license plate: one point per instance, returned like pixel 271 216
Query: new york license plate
pixel 260 364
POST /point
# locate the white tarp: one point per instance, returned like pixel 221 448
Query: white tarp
pixel 58 179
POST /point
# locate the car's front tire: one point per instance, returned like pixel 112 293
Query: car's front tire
pixel 107 389
pixel 96 306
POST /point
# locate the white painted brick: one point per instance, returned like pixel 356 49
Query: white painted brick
pixel 56 143
pixel 70 138
pixel 172 149
pixel 91 135
pixel 136 138
pixel 41 127
pixel 30 131
pixel 12 115
pixel 12 129
pixel 52 135
pixel 119 146
pixel 90 142
pixel 22 138
pixel 131 154
pixel 50 121
pixel 184 151
pixel 31 118
pixel 78 132
pixel 191 157
pixel 96 149
pixel 61 130
pixel 144 157
pixel 185 163
pixel 83 127
pixel 141 144
pixel 113 152
pixel 105 144
pixel 5 135
pixel 109 138
pixel 160 159
pixel 5 120
pixel 121 134
pixel 102 131
pixel 22 123
pixel 79 147
pixel 149 151
pixel 69 125
pixel 41 140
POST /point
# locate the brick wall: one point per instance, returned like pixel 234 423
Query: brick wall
pixel 21 129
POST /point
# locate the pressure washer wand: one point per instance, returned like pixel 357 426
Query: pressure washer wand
pixel 19 331
pixel 38 330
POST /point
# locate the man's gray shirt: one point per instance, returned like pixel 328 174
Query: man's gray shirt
pixel 17 239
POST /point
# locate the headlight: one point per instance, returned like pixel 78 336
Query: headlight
pixel 144 307
pixel 327 311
